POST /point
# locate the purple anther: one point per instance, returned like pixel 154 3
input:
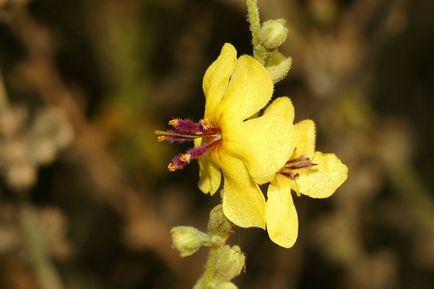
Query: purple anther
pixel 301 165
pixel 186 126
pixel 301 158
pixel 177 139
pixel 290 175
pixel 198 151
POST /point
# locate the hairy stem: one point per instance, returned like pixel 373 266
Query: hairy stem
pixel 259 53
pixel 224 262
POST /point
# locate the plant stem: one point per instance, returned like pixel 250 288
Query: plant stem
pixel 4 103
pixel 255 28
pixel 45 272
pixel 224 262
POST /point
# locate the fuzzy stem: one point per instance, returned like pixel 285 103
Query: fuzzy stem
pixel 259 53
pixel 45 272
pixel 224 262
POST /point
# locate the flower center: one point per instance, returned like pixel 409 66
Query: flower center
pixel 293 166
pixel 185 130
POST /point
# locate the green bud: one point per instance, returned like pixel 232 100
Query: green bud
pixel 226 285
pixel 279 71
pixel 187 240
pixel 275 58
pixel 218 224
pixel 229 262
pixel 273 33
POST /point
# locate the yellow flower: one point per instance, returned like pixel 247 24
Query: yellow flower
pixel 307 172
pixel 232 140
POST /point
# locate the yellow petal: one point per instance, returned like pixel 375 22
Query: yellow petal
pixel 209 172
pixel 209 175
pixel 243 201
pixel 280 213
pixel 282 106
pixel 305 143
pixel 217 76
pixel 322 180
pixel 265 143
pixel 249 90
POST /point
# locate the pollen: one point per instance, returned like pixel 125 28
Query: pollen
pixel 171 166
pixel 205 124
pixel 185 157
pixel 163 138
pixel 174 122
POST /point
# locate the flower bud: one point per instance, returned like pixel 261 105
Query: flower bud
pixel 187 240
pixel 218 224
pixel 278 71
pixel 273 33
pixel 226 285
pixel 229 262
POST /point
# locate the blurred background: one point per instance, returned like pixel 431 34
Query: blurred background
pixel 86 200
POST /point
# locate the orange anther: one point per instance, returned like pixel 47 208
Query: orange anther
pixel 172 167
pixel 205 123
pixel 174 122
pixel 185 158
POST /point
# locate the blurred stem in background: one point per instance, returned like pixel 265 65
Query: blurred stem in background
pixel 36 246
pixel 34 238
pixel 143 228
pixel 3 96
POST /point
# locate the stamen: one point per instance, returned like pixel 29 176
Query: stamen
pixel 172 167
pixel 174 122
pixel 174 139
pixel 185 130
pixel 179 161
pixel 301 158
pixel 176 163
pixel 301 165
pixel 298 163
pixel 290 175
pixel 176 134
pixel 186 126
pixel 204 124
pixel 163 137
pixel 185 157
